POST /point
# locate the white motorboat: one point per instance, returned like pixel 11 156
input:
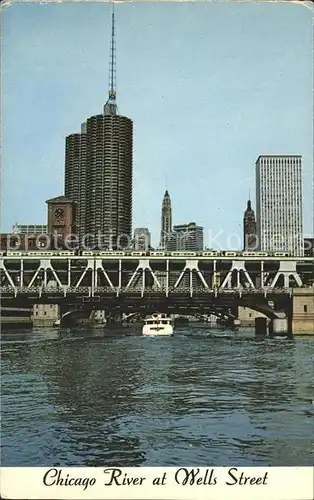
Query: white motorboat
pixel 158 324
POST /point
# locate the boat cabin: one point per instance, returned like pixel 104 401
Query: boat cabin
pixel 158 321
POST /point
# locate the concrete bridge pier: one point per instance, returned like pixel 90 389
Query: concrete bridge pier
pixel 98 317
pixel 260 326
pixel 278 327
pixel 275 327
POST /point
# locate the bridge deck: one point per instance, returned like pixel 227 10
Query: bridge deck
pixel 154 258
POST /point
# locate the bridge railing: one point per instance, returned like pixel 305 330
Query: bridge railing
pixel 93 291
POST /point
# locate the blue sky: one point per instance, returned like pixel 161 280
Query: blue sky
pixel 209 86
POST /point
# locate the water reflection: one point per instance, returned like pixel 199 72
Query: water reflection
pixel 95 398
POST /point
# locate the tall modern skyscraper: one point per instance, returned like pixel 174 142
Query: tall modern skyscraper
pixel 249 228
pixel 75 176
pixel 99 171
pixel 166 220
pixel 279 203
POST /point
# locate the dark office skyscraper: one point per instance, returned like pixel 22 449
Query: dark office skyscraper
pixel 98 172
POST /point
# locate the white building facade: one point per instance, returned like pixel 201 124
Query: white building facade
pixel 279 203
pixel 142 239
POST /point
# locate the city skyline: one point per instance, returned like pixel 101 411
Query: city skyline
pixel 216 211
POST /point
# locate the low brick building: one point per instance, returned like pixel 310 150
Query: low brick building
pixel 57 234
pixel 24 241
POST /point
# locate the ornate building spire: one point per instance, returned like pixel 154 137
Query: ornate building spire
pixel 166 219
pixel 249 228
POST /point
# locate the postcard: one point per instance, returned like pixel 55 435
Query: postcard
pixel 157 250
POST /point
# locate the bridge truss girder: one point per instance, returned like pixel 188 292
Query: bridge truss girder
pixel 143 275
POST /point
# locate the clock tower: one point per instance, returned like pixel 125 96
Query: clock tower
pixel 61 220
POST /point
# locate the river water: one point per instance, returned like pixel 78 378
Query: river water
pixel 202 397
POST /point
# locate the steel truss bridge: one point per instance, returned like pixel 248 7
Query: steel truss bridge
pixel 129 283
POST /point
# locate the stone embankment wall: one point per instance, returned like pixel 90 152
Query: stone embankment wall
pixel 303 311
pixel 45 314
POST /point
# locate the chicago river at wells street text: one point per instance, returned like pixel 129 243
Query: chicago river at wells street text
pixel 202 397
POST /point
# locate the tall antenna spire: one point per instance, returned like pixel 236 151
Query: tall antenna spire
pixel 111 106
pixel 112 71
